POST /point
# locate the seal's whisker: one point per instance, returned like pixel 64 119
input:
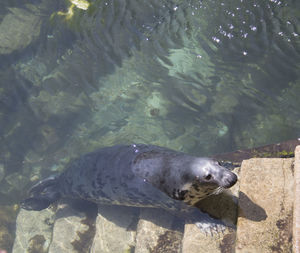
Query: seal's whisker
pixel 218 190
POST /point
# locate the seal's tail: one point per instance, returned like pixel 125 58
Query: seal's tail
pixel 42 194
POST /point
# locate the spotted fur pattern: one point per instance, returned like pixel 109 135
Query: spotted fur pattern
pixel 136 175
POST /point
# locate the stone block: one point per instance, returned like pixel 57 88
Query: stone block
pixel 115 229
pixel 155 233
pixel 73 230
pixel 296 217
pixel 266 206
pixel 33 231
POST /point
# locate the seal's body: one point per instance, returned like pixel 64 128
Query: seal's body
pixel 135 175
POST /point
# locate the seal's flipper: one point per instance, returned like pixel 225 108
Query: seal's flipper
pixel 205 222
pixel 42 195
pixel 35 203
pixel 209 225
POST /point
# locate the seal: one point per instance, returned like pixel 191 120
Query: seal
pixel 138 175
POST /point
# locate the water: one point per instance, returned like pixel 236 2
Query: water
pixel 202 77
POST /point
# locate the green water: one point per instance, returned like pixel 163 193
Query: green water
pixel 203 77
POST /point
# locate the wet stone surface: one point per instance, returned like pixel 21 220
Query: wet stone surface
pixel 18 29
pixel 155 233
pixel 115 230
pixel 33 231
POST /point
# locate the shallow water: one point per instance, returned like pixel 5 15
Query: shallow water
pixel 202 77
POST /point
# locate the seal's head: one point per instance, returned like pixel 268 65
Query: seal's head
pixel 183 177
pixel 204 177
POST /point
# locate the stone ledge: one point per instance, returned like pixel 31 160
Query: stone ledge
pixel 296 216
pixel 265 216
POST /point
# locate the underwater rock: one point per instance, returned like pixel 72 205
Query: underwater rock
pixel 18 29
pixel 33 231
pixel 156 104
pixel 7 227
pixel 5 238
pixel 122 230
pixel 152 237
pixel 32 70
pixel 261 131
pixel 224 103
pixel 49 134
pixel 115 230
pixel 2 172
pixel 46 105
pixel 172 129
pixel 68 229
pixel 16 180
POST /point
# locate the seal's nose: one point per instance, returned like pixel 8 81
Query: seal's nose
pixel 231 180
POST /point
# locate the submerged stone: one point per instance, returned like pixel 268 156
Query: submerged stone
pixel 2 172
pixel 18 29
pixel 69 228
pixel 16 180
pixel 114 230
pixel 33 232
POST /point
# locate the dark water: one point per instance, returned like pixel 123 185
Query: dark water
pixel 202 77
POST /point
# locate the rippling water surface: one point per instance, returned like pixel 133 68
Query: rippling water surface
pixel 202 77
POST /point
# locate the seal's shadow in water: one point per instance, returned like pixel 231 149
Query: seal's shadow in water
pixel 249 210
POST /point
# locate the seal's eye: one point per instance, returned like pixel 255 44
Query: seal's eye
pixel 208 177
